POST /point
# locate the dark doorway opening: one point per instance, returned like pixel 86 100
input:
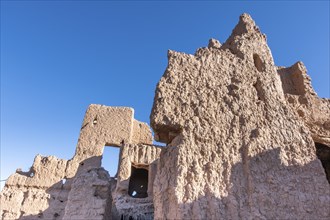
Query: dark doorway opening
pixel 138 183
pixel 323 153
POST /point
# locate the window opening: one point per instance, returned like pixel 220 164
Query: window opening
pixel 138 183
pixel 160 144
pixel 323 153
pixel 110 160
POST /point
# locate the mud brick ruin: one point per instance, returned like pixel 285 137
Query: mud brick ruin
pixel 245 139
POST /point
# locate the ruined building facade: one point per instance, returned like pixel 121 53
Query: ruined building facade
pixel 245 139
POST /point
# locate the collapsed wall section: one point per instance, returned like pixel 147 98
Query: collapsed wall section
pixel 39 192
pixel 56 188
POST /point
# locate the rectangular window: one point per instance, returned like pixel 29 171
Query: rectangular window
pixel 110 159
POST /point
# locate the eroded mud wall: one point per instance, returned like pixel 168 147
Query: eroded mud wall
pixel 236 149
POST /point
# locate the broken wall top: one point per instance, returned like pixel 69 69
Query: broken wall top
pixel 233 139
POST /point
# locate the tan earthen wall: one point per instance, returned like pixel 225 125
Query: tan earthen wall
pixel 236 149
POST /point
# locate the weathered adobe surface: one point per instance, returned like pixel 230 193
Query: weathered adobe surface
pixel 240 134
pixel 77 188
pixel 299 93
pixel 33 192
pixel 238 146
pixel 312 110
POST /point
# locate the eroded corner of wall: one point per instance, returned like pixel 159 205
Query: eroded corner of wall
pixel 311 109
pixel 141 133
pixel 40 192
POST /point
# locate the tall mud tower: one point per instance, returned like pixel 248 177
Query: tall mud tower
pixel 237 147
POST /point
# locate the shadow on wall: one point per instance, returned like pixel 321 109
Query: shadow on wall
pixel 264 188
pixel 89 189
pixel 56 202
pixel 267 181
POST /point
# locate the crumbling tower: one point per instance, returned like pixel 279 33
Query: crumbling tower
pixel 237 149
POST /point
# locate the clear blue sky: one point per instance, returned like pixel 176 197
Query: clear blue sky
pixel 57 57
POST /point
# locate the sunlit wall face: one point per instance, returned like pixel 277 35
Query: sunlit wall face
pixel 57 57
